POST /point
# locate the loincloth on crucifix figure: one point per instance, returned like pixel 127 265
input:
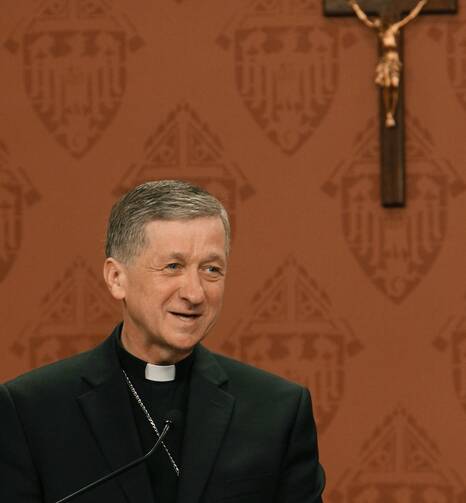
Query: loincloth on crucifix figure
pixel 388 70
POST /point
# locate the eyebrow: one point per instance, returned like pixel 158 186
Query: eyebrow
pixel 215 257
pixel 176 256
pixel 209 258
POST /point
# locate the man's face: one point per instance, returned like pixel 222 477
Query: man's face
pixel 173 289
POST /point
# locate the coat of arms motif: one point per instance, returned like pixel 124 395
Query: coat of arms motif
pixel 74 57
pixel 183 146
pixel 454 36
pixel 291 330
pixel 16 194
pixel 286 70
pixel 453 339
pixel 395 248
pixel 75 315
pixel 399 464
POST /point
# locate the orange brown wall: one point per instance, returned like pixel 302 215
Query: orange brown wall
pixel 273 108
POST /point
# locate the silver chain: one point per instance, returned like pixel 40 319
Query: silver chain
pixel 151 421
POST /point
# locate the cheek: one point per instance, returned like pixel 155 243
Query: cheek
pixel 215 295
pixel 162 294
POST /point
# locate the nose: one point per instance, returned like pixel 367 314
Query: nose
pixel 192 289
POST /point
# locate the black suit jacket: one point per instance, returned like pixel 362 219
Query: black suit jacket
pixel 249 435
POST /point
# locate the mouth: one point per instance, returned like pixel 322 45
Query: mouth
pixel 185 316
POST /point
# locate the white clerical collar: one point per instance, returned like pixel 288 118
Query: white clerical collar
pixel 160 373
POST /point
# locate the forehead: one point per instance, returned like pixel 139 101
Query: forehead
pixel 201 234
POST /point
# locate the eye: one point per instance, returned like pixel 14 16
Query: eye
pixel 173 266
pixel 214 270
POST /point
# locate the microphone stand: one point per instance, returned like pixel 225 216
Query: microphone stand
pixel 133 463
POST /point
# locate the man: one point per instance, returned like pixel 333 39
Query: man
pixel 241 434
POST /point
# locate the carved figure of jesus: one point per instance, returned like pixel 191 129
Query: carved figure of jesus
pixel 388 70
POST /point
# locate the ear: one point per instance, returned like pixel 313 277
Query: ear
pixel 115 278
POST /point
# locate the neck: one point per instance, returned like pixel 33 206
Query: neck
pixel 151 353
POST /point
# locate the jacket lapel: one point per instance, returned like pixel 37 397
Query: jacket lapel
pixel 108 410
pixel 208 415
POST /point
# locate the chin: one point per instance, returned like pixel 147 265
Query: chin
pixel 184 344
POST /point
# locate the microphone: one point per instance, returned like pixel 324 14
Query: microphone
pixel 173 417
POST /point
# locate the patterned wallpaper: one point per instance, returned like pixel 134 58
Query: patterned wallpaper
pixel 272 107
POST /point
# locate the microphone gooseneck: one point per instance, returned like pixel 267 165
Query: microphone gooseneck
pixel 171 420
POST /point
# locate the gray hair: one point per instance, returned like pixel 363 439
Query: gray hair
pixel 157 200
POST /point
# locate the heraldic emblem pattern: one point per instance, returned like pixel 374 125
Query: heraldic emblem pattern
pixel 453 34
pixel 16 194
pixel 452 339
pixel 183 146
pixel 291 330
pixel 74 316
pixel 74 56
pixel 395 248
pixel 399 463
pixel 286 70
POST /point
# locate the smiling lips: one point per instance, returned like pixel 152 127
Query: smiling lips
pixel 186 316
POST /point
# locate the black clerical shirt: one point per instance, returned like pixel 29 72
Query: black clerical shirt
pixel 159 398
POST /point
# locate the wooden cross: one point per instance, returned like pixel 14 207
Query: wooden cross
pixel 392 155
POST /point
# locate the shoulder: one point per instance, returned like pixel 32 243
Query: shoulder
pixel 260 394
pixel 242 375
pixel 58 376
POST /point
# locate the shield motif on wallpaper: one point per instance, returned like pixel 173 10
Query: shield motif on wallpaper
pixel 456 58
pixel 452 34
pixel 291 330
pixel 184 147
pixel 453 339
pixel 395 248
pixel 399 463
pixel 286 68
pixel 74 60
pixel 16 194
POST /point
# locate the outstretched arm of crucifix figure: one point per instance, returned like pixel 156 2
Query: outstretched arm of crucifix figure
pixel 361 14
pixel 416 10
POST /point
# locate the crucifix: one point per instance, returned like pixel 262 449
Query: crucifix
pixel 387 18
